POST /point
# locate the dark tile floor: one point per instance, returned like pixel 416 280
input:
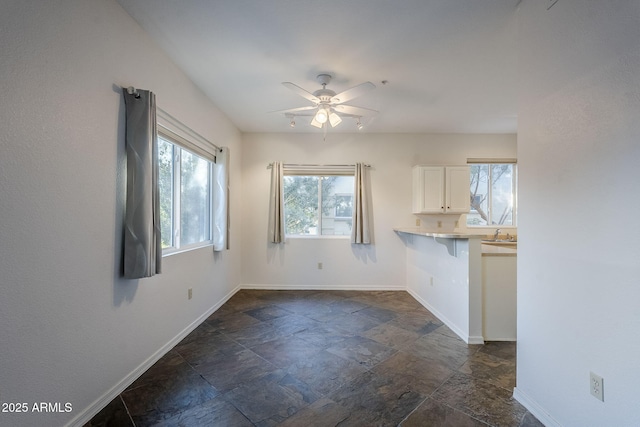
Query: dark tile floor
pixel 323 358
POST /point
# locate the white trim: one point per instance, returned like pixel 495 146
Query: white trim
pixel 535 409
pixel 276 287
pixel 465 337
pixel 472 161
pixel 317 236
pixel 475 340
pixel 173 251
pixel 88 413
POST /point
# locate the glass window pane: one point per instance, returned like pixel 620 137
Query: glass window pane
pixel 301 204
pixel 318 205
pixel 502 194
pixel 337 205
pixel 165 160
pixel 493 194
pixel 479 195
pixel 195 199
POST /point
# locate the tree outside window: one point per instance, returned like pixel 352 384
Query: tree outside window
pixel 318 205
pixel 493 194
pixel 185 186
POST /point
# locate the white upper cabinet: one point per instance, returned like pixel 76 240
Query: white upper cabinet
pixel 458 197
pixel 441 189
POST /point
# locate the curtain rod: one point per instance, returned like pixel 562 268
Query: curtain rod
pixel 133 91
pixel 270 165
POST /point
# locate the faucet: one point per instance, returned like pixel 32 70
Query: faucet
pixel 495 236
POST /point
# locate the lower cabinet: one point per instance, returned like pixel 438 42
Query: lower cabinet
pixel 499 298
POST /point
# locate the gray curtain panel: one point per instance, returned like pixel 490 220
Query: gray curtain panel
pixel 221 217
pixel 276 205
pixel 142 241
pixel 361 232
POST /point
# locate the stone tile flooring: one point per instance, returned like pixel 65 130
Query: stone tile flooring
pixel 323 358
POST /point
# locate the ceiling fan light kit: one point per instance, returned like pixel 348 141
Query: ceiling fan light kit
pixel 322 116
pixel 334 119
pixel 327 105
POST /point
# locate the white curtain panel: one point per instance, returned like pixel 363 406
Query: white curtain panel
pixel 276 205
pixel 361 232
pixel 142 241
pixel 221 200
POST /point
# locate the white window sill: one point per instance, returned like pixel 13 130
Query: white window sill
pixel 172 251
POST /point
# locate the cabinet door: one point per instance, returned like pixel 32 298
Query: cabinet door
pixel 428 189
pixel 457 189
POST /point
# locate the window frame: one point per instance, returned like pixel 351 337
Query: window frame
pixel 172 131
pixel 319 171
pixel 514 185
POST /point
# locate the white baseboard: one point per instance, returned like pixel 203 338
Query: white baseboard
pixel 466 338
pixel 323 287
pixel 91 411
pixel 535 409
pixel 475 339
pixel 504 339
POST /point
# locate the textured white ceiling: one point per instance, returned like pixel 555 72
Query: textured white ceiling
pixel 450 64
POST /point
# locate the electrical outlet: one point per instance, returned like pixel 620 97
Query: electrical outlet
pixel 319 266
pixel 431 280
pixel 190 293
pixel 439 224
pixel 418 222
pixel 597 386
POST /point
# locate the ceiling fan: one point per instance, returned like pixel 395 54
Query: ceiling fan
pixel 328 107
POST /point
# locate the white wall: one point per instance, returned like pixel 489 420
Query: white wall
pixel 578 251
pixel 445 276
pixel 70 329
pixel 379 266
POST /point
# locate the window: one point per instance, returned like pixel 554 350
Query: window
pixel 493 194
pixel 344 205
pixel 318 202
pixel 185 183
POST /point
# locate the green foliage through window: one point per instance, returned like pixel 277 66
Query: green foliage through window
pixel 317 204
pixel 185 196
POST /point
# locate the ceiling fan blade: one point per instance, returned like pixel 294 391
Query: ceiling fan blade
pixel 303 93
pixel 356 111
pixel 354 92
pixel 295 110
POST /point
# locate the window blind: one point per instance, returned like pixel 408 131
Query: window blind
pixel 185 137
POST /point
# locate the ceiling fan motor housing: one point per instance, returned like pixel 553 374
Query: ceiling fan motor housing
pixel 324 95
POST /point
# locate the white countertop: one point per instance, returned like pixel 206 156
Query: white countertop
pixel 437 233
